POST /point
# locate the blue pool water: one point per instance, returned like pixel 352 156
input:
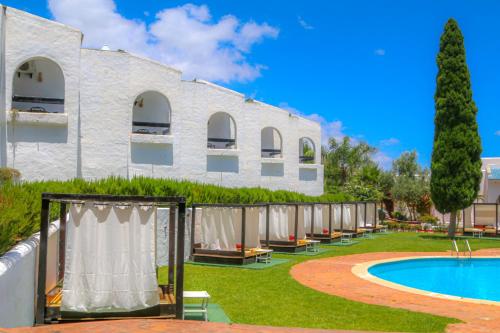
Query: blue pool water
pixel 471 278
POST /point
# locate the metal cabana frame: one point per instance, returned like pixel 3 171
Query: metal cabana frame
pixel 168 309
pixel 291 245
pixel 374 226
pixel 225 256
pixel 324 237
pixel 474 223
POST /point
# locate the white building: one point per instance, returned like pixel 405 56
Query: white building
pixel 68 112
pixel 490 184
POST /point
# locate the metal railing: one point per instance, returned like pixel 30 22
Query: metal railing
pixel 455 250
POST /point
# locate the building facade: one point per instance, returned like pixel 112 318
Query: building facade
pixel 490 184
pixel 68 112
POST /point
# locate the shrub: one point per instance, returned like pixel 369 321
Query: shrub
pixel 9 175
pixel 20 203
pixel 429 219
pixel 400 216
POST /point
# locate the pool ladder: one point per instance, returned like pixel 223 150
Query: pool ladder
pixel 456 251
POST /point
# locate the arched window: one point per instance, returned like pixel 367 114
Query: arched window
pixel 307 152
pixel 38 86
pixel 270 143
pixel 221 131
pixel 151 114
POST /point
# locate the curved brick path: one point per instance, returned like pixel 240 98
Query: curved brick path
pixel 333 276
pixel 158 325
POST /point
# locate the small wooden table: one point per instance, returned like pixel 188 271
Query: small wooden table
pixel 264 255
pixel 346 238
pixel 202 308
pixel 312 245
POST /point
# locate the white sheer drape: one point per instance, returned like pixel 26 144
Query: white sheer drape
pixel 305 216
pixel 371 214
pixel 321 219
pixel 220 228
pixel 361 215
pixel 252 232
pixel 281 222
pixel 485 215
pixel 349 217
pixel 110 259
pixel 336 218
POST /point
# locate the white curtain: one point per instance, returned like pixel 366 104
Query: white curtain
pixel 349 217
pixel 110 259
pixel 220 228
pixel 262 223
pixel 361 215
pixel 279 224
pixel 318 219
pixel 485 215
pixel 306 215
pixel 336 218
pixel 370 217
pixel 252 223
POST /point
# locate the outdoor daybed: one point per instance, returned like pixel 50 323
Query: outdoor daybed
pixel 227 234
pixel 285 234
pixel 321 227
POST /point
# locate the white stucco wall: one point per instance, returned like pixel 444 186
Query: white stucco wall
pixel 100 90
pixel 490 188
pixel 18 276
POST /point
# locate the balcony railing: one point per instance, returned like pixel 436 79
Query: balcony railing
pixel 38 104
pixel 143 127
pixel 270 153
pixel 221 143
pixel 306 159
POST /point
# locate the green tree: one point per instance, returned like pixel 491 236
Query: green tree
pixel 456 155
pixel 411 183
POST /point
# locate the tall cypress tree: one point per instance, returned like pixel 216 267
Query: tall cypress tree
pixel 456 156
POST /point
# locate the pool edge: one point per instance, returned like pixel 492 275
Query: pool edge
pixel 361 271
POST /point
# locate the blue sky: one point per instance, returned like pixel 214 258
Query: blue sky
pixel 363 68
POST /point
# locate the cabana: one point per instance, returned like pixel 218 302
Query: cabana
pixel 286 234
pixel 485 217
pixel 227 233
pixel 106 259
pixel 367 216
pixel 350 219
pixel 321 227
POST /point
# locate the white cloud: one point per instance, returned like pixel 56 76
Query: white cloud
pixel 382 159
pixel 497 133
pixel 329 129
pixel 304 24
pixel 379 52
pixel 389 142
pixel 185 37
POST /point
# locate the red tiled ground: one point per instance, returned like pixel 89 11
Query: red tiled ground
pixel 164 326
pixel 333 276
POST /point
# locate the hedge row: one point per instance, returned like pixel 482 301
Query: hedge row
pixel 20 203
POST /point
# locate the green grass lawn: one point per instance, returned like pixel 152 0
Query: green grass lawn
pixel 272 297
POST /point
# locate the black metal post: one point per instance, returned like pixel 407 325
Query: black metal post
pixel 193 226
pixel 243 230
pixel 366 217
pixel 341 217
pixel 356 218
pixel 330 219
pixel 474 215
pixel 42 262
pixel 267 225
pixel 313 218
pixel 62 241
pixel 171 247
pixel 179 283
pixel 296 224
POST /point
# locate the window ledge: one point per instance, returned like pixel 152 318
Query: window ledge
pixel 309 166
pixel 222 152
pixel 151 139
pixel 270 160
pixel 38 118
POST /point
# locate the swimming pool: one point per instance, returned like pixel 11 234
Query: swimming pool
pixel 469 278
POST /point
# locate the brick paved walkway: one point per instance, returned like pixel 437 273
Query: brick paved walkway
pixel 163 326
pixel 334 276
